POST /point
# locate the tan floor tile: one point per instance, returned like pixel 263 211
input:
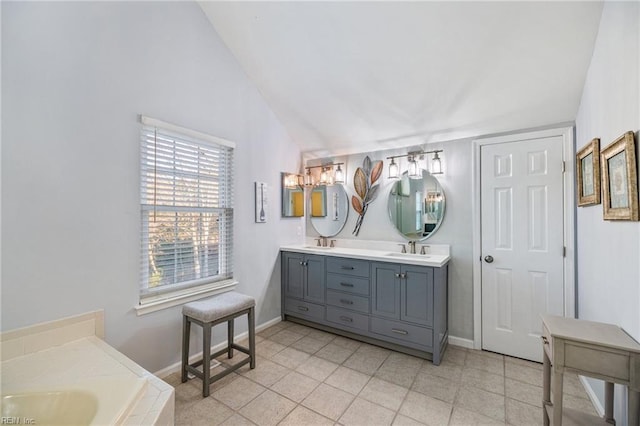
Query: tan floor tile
pixel 237 420
pixel 348 380
pixel 521 414
pixel 425 409
pixel 286 337
pixel 290 358
pixel 320 335
pixel 267 349
pixel 367 359
pixel 455 355
pixel 267 409
pixel 238 393
pixel 303 416
pixel 486 403
pixel 328 401
pixel 384 393
pixel 436 387
pixel 524 363
pixel 300 329
pixel 483 380
pixel 462 417
pixel 207 410
pixel 347 343
pixel 488 354
pixel 401 420
pixel 523 392
pixel 524 374
pixel 480 361
pixel 400 369
pixel 189 392
pixel 295 386
pixel 173 379
pixel 308 344
pixel 334 353
pixel 577 403
pixel 273 329
pixel 445 370
pixel 317 368
pixel 363 412
pixel 573 386
pixel 266 372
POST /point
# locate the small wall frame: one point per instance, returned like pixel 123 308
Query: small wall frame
pixel 588 174
pixel 619 179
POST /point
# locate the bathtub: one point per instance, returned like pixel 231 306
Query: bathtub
pixel 97 401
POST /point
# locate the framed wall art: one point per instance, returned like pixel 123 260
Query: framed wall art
pixel 588 174
pixel 261 202
pixel 619 179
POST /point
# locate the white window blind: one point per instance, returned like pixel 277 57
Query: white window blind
pixel 186 202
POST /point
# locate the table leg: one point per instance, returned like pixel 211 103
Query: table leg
pixel 557 396
pixel 633 405
pixel 608 403
pixel 546 389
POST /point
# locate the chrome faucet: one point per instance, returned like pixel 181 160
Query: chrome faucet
pixel 324 241
pixel 412 244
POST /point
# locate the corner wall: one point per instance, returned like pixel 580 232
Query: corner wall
pixel 608 251
pixel 75 76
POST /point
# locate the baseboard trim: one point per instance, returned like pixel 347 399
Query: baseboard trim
pixel 592 395
pixel 459 341
pixel 175 367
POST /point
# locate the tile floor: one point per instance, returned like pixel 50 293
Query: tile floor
pixel 305 376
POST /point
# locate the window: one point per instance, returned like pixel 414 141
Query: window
pixel 186 198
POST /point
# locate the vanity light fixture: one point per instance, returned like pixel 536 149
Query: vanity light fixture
pixel 414 170
pixel 327 176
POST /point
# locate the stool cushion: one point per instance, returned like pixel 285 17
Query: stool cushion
pixel 219 306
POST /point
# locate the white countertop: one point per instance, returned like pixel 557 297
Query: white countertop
pixel 436 260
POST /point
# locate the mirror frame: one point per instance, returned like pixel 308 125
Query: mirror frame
pixel 346 209
pixel 425 174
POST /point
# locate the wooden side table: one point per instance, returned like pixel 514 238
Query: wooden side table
pixel 602 351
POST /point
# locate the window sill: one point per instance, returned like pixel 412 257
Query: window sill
pixel 179 299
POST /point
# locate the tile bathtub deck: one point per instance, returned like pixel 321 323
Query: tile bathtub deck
pixel 304 376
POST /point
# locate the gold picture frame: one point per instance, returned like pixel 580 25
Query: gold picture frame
pixel 588 174
pixel 619 179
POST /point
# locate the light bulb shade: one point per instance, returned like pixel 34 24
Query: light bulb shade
pixel 394 171
pixel 324 178
pixel 414 171
pixel 308 179
pixel 339 175
pixel 436 165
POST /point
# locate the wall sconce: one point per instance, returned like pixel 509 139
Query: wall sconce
pixel 414 170
pixel 327 175
pixel 292 180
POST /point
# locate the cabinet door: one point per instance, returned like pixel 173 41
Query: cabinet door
pixel 416 295
pixel 293 274
pixel 315 278
pixel 385 290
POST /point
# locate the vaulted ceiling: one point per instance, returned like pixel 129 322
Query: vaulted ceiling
pixel 347 77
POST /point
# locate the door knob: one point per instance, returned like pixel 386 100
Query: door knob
pixel 488 259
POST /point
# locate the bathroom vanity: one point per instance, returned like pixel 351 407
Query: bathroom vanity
pixel 391 299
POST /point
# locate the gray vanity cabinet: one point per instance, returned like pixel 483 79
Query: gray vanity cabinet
pixel 303 280
pixel 400 306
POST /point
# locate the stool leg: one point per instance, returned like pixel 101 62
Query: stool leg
pixel 186 330
pixel 206 358
pixel 252 337
pixel 230 337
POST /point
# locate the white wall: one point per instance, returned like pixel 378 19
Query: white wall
pixel 609 252
pixel 455 229
pixel 74 77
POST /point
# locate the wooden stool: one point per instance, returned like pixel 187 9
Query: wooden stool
pixel 207 313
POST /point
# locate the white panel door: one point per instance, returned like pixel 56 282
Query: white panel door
pixel 522 243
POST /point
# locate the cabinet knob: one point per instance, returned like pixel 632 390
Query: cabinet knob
pixel 403 275
pixel 398 276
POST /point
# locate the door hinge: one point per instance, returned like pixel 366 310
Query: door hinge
pixel 564 251
pixel 564 168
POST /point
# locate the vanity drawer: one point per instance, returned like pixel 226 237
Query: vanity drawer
pixel 347 319
pixel 339 265
pixel 303 309
pixel 348 283
pixel 402 331
pixel 348 301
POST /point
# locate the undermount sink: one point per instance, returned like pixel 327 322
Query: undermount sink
pixel 318 247
pixel 56 408
pixel 411 255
